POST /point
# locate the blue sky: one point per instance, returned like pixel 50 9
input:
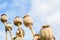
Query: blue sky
pixel 41 11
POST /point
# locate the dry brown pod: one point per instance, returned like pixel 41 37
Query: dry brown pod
pixel 8 26
pixel 18 32
pixel 37 37
pixel 27 20
pixel 3 18
pixel 17 21
pixel 46 32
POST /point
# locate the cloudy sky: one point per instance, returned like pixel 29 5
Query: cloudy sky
pixel 41 11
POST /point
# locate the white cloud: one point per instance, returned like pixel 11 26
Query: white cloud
pixel 42 11
pixel 54 18
pixel 46 13
pixel 54 21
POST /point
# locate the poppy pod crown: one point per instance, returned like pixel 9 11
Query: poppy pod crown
pixel 17 21
pixel 3 18
pixel 27 20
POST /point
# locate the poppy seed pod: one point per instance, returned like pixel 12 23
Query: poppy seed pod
pixel 17 21
pixel 8 26
pixel 3 18
pixel 37 37
pixel 27 21
pixel 46 33
pixel 19 32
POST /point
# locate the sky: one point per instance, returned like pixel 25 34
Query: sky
pixel 41 11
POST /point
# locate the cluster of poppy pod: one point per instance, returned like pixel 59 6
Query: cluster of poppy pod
pixel 45 32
